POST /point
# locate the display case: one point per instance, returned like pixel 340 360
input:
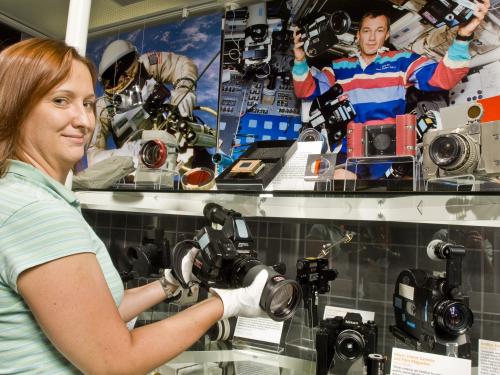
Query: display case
pixel 391 233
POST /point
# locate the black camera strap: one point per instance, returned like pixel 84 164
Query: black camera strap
pixel 179 251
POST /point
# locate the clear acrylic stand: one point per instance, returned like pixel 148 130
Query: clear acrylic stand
pixel 156 179
pixel 258 333
pixel 452 183
pixel 354 163
pixel 300 338
pixel 244 343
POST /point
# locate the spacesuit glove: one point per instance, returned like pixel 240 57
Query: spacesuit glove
pixel 243 301
pixel 187 103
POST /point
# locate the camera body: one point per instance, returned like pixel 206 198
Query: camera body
pixel 331 111
pixel 258 37
pixel 344 340
pixel 471 149
pixel 399 139
pixel 319 31
pixel 227 259
pixel 429 318
pixel 449 12
pixel 314 274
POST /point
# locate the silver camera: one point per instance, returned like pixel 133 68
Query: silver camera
pixel 468 150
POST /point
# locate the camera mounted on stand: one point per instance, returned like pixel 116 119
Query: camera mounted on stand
pixel 468 149
pixel 314 275
pixel 227 259
pixel 431 312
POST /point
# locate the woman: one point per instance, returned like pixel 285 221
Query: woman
pixel 62 304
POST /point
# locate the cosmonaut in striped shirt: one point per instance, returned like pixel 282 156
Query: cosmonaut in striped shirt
pixel 376 80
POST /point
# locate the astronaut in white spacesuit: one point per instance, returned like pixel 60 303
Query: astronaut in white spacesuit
pixel 129 80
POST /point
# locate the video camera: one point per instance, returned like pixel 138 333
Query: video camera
pixel 319 31
pixel 431 312
pixel 470 149
pixel 344 342
pixel 227 260
pixel 449 12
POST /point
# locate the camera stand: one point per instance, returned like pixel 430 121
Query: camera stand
pixel 156 179
pixel 392 162
pixel 453 183
pixel 300 338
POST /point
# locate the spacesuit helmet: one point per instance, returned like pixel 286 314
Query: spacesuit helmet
pixel 119 66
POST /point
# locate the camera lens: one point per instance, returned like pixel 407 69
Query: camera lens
pixel 453 152
pixel 153 153
pixel 280 296
pixel 453 317
pixel 382 141
pixel 340 22
pixel 350 345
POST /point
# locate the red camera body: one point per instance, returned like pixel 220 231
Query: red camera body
pixel 397 139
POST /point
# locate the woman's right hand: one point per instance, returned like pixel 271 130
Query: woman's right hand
pixel 298 46
pixel 243 301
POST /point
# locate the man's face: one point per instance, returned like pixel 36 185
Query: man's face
pixel 372 34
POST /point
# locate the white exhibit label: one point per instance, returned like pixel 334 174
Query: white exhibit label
pixel 333 311
pixel 409 362
pixel 260 329
pixel 489 357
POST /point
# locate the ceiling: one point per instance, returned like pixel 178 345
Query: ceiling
pixel 48 17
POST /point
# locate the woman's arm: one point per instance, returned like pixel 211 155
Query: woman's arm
pixel 137 300
pixel 72 303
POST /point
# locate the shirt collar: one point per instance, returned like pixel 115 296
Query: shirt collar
pixel 29 172
pixel 362 62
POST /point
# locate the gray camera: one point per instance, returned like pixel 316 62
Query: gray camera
pixel 468 150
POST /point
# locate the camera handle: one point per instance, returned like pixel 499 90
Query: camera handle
pixel 454 267
pixel 438 249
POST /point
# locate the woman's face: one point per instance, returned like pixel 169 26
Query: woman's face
pixel 60 125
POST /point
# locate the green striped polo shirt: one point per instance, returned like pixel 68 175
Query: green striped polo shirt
pixel 40 220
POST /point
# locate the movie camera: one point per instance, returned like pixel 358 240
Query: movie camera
pixel 431 312
pixel 227 259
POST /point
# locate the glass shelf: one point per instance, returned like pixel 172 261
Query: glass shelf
pixel 448 208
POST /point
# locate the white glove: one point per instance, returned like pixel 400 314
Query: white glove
pixel 187 104
pixel 243 301
pixel 187 269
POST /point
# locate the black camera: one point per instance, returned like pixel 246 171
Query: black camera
pixel 343 342
pixel 319 32
pixel 431 313
pixel 313 275
pixel 144 260
pixel 332 111
pixel 447 12
pixel 227 259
